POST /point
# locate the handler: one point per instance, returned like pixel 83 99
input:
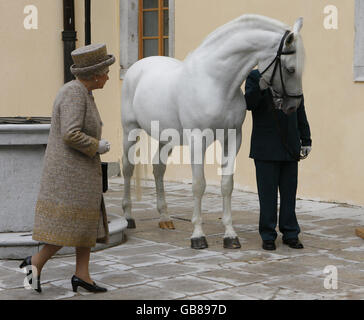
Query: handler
pixel 276 161
pixel 70 210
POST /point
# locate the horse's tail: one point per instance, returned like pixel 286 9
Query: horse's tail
pixel 128 118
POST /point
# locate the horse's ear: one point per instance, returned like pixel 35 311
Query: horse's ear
pixel 296 29
pixel 289 40
pixel 298 25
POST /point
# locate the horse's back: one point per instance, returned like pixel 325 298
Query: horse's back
pixel 148 90
pixel 149 66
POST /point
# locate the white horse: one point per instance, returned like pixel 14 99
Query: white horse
pixel 204 92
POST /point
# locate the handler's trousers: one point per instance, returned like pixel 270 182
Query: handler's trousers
pixel 271 177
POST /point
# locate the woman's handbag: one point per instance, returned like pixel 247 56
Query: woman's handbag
pixel 105 185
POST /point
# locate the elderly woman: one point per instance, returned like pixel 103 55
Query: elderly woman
pixel 70 209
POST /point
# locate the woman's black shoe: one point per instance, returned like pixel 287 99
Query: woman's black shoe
pixel 76 282
pixel 27 263
pixel 294 243
pixel 269 245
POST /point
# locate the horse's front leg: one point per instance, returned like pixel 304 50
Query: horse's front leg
pixel 230 149
pixel 198 239
pixel 197 149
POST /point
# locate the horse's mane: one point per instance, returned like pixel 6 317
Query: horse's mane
pixel 252 21
pixel 259 21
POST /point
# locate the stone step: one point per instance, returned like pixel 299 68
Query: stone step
pixel 18 245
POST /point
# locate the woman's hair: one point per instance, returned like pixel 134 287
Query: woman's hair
pixel 89 76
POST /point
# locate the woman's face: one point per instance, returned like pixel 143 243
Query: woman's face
pixel 101 80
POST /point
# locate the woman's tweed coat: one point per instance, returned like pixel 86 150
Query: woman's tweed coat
pixel 70 210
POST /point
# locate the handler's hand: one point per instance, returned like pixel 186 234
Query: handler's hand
pixel 305 151
pixel 104 146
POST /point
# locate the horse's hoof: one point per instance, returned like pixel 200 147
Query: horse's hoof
pixel 232 243
pixel 170 225
pixel 199 243
pixel 163 225
pixel 166 225
pixel 131 223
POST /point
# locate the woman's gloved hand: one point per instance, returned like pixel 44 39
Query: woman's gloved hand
pixel 104 146
pixel 305 151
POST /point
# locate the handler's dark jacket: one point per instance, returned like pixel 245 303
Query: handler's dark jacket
pixel 266 142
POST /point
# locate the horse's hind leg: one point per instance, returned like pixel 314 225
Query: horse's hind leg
pixel 159 168
pixel 158 172
pixel 128 168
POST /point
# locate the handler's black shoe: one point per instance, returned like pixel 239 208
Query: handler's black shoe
pixel 294 243
pixel 269 245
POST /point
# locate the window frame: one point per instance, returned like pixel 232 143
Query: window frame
pixel 161 37
pixel 129 33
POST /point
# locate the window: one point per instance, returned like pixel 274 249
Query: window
pixel 146 28
pixel 153 28
pixel 359 41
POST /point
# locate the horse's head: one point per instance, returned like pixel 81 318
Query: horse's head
pixel 283 73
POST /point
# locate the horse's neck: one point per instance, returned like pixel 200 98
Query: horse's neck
pixel 229 59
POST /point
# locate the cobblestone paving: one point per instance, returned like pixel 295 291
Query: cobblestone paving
pixel 159 264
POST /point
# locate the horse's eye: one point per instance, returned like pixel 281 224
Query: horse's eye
pixel 291 70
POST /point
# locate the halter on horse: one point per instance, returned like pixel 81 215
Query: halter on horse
pixel 278 98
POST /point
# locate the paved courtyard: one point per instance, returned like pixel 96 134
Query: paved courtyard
pixel 159 264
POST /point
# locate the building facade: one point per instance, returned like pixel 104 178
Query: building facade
pixel 32 73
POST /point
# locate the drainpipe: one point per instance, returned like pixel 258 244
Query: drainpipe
pixel 87 22
pixel 68 37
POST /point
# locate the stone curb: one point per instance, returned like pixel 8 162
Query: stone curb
pixel 18 245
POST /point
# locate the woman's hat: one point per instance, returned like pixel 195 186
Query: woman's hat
pixel 90 59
